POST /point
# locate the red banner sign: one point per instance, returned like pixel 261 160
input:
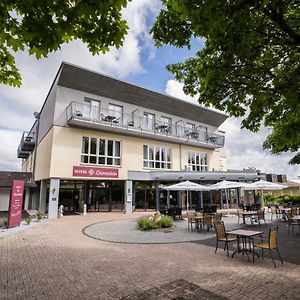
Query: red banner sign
pixel 80 171
pixel 15 203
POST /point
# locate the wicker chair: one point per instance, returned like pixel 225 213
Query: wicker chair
pixel 207 222
pixel 191 219
pixel 270 244
pixel 274 211
pixel 260 216
pixel 217 218
pixel 291 222
pixel 222 236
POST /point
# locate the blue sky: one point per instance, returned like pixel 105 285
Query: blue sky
pixel 138 62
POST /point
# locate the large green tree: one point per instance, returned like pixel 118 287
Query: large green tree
pixel 42 26
pixel 250 64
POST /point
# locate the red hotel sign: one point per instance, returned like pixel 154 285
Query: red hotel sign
pixel 15 203
pixel 80 171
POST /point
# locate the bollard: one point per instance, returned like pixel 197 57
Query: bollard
pixel 61 211
pixel 84 209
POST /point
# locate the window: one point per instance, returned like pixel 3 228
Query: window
pixel 116 111
pixel 91 109
pixel 190 126
pixel 148 121
pixel 157 157
pixel 100 152
pixel 198 161
pixel 166 121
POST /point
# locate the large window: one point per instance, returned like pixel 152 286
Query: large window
pixel 198 161
pixel 157 157
pixel 100 152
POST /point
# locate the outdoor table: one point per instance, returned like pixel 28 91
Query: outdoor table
pixel 296 218
pixel 244 238
pixel 283 211
pixel 248 214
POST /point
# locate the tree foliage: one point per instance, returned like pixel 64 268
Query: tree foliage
pixel 250 64
pixel 41 27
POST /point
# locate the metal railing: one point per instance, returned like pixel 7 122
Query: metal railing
pixel 133 121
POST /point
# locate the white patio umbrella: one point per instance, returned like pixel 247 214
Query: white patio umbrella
pixel 186 186
pixel 265 185
pixel 225 185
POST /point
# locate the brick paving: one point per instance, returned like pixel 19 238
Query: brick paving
pixel 57 261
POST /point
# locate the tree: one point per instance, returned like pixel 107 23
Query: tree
pixel 42 27
pixel 249 66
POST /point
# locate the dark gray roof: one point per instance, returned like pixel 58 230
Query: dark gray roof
pixel 6 178
pixel 81 79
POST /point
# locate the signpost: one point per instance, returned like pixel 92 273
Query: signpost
pixel 15 203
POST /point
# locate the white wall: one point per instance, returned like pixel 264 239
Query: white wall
pixel 4 199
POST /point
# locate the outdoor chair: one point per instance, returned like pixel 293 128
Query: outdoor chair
pixel 222 236
pixel 240 214
pixel 291 222
pixel 274 211
pixel 217 218
pixel 270 244
pixel 294 211
pixel 260 216
pixel 207 222
pixel 191 219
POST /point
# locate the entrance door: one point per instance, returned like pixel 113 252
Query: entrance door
pixel 98 196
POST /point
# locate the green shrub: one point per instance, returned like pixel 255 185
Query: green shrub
pixel 294 199
pixel 28 220
pixel 145 224
pixel 39 215
pixel 165 222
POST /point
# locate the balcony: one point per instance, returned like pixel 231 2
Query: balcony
pixel 27 144
pixel 84 115
pixel 21 153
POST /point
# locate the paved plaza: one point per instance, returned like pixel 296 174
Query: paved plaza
pixel 57 261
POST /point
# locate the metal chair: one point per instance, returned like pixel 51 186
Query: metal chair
pixel 270 244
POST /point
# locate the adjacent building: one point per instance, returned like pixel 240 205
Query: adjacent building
pixel 112 145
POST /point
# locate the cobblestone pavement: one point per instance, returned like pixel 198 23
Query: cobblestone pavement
pixel 125 231
pixel 57 261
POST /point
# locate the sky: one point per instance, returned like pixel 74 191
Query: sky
pixel 138 62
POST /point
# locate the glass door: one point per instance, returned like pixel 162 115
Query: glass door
pixel 91 109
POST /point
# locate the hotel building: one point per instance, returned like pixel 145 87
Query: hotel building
pixel 112 145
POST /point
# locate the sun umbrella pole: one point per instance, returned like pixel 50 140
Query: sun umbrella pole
pixel 226 196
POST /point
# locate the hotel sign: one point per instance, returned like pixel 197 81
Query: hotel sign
pixel 15 203
pixel 94 172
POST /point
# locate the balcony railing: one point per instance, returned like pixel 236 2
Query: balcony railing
pixel 22 153
pixel 80 113
pixel 27 142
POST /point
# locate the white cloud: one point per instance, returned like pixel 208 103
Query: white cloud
pixel 244 148
pixel 8 150
pixel 175 89
pixel 18 104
